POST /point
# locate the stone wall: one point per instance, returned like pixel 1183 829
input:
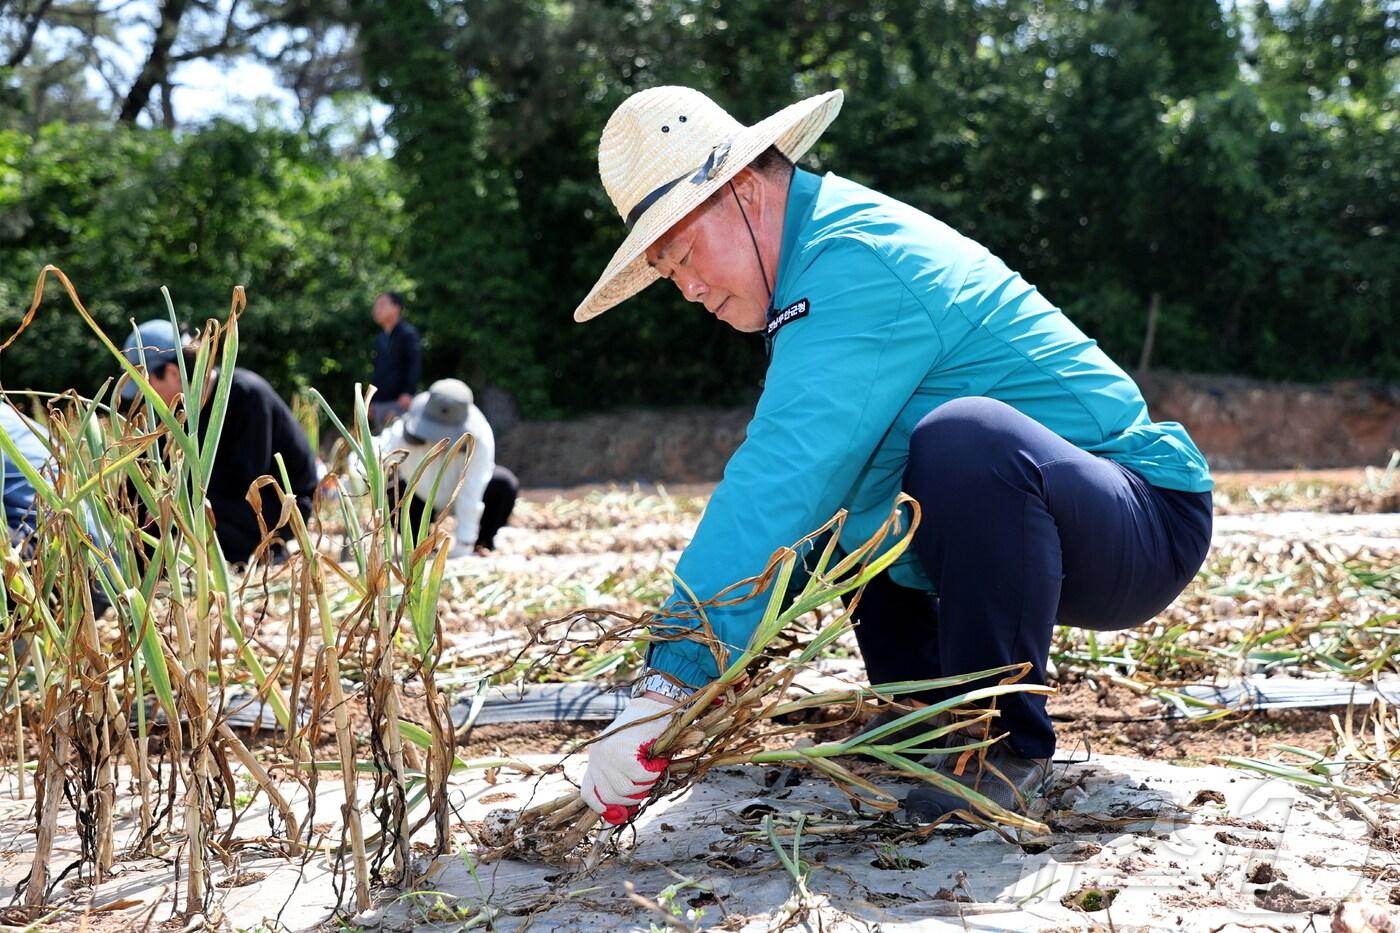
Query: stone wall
pixel 1246 425
pixel 659 446
pixel 1240 424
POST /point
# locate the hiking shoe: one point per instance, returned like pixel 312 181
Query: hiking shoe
pixel 908 732
pixel 996 772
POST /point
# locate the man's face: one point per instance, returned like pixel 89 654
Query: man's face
pixel 384 310
pixel 167 384
pixel 710 257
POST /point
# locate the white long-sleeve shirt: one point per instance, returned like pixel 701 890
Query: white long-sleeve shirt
pixel 479 469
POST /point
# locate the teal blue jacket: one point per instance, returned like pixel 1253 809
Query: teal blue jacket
pixel 883 313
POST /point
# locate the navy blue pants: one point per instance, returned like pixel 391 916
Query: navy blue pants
pixel 497 503
pixel 1022 531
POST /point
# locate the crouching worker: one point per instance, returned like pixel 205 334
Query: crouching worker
pixel 487 497
pixel 22 514
pixel 19 493
pixel 902 356
pixel 257 426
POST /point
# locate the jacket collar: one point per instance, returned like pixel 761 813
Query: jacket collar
pixel 802 196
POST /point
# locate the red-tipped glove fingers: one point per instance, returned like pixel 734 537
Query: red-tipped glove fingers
pixel 621 769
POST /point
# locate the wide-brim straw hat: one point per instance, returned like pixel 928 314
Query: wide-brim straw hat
pixel 664 151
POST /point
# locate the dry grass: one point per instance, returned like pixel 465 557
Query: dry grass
pixel 1377 489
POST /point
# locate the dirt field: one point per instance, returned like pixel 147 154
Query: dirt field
pixel 1157 819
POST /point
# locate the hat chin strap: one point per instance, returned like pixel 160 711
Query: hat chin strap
pixel 758 254
pixel 698 176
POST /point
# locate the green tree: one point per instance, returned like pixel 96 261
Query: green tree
pixel 1228 171
pixel 125 210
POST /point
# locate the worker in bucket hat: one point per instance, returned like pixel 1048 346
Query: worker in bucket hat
pixel 903 357
pixel 488 490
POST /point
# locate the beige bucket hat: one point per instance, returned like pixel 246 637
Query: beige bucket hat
pixel 664 151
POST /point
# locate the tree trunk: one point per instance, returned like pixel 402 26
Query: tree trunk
pixel 26 39
pixel 157 66
pixel 167 106
pixel 1154 310
pixel 1233 322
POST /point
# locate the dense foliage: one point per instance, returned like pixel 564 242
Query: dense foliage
pixel 124 211
pixel 1235 168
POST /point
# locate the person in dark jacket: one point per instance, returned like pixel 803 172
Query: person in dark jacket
pixel 258 425
pixel 398 360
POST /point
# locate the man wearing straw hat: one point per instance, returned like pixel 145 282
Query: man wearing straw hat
pixel 903 357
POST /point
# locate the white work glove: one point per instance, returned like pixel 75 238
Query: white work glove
pixel 459 549
pixel 621 770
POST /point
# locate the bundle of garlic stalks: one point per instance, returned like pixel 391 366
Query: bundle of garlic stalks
pixel 736 719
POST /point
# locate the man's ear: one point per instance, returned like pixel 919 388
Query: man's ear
pixel 748 184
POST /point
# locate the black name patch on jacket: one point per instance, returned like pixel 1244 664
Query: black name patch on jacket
pixel 798 309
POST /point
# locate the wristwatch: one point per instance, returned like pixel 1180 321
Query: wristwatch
pixel 653 682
